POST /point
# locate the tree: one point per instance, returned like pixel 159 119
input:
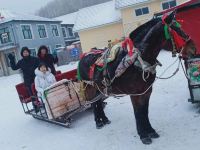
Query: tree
pixel 61 7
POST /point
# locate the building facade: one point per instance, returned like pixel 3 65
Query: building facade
pixel 18 30
pixel 67 25
pixel 113 20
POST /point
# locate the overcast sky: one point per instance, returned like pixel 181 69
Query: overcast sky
pixel 28 6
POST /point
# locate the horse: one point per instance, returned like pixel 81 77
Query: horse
pixel 149 39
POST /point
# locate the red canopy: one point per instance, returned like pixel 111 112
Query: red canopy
pixel 188 15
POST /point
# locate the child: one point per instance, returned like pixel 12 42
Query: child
pixel 44 78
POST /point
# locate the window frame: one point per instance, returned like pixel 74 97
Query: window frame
pixel 168 2
pixel 59 45
pixel 34 50
pixel 68 31
pixel 66 34
pixel 141 8
pixel 45 28
pixel 31 29
pixel 8 34
pixel 57 30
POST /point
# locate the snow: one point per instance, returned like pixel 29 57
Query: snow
pixel 176 120
pixel 97 15
pixel 126 3
pixel 9 16
pixel 68 18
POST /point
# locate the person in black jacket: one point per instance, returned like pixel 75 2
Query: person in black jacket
pixel 27 64
pixel 47 58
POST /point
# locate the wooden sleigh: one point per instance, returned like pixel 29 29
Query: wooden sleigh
pixel 63 100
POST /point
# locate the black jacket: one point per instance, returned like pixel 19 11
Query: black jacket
pixel 49 60
pixel 28 66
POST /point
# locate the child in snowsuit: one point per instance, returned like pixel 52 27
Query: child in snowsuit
pixel 44 78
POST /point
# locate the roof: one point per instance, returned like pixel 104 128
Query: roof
pixel 97 15
pixel 6 16
pixel 119 4
pixel 68 18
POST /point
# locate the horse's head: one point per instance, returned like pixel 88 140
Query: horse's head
pixel 177 40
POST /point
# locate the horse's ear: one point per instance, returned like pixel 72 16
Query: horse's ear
pixel 170 17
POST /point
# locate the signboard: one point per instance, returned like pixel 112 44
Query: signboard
pixel 194 70
pixel 74 52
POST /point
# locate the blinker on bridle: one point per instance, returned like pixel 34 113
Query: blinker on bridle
pixel 168 31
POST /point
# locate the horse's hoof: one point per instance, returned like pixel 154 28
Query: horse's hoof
pixel 154 135
pixel 99 125
pixel 146 140
pixel 106 122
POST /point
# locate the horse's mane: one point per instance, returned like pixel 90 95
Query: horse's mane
pixel 139 33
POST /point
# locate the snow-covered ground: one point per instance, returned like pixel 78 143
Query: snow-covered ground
pixel 176 120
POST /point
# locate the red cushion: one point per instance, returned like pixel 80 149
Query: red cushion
pixel 23 93
pixel 67 75
pixel 58 72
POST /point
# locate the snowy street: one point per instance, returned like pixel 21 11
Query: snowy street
pixel 176 120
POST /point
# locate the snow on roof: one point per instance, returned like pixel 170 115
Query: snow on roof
pixel 97 15
pixel 68 18
pixel 6 16
pixel 126 3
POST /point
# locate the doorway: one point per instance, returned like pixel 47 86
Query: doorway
pixel 1 67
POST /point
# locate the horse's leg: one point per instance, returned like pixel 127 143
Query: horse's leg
pixel 151 132
pixel 100 117
pixel 97 118
pixel 140 105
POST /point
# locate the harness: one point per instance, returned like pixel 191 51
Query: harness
pixel 134 57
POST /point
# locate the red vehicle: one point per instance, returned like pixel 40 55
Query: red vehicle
pixel 188 16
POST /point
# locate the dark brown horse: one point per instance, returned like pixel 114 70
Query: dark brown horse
pixel 149 39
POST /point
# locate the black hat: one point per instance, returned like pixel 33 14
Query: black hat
pixel 25 49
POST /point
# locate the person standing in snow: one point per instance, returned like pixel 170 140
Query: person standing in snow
pixel 47 58
pixel 27 64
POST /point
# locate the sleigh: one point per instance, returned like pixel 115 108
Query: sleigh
pixel 63 100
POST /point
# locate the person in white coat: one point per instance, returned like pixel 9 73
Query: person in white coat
pixel 44 78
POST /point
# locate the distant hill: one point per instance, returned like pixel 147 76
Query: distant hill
pixel 61 7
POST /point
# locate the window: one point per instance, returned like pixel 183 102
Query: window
pixel 49 49
pixel 76 34
pixel 33 52
pixel 70 32
pixel 55 30
pixel 26 30
pixel 168 4
pixel 142 11
pixel 5 35
pixel 64 32
pixel 58 45
pixel 42 31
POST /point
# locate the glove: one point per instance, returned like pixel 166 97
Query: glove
pixel 11 57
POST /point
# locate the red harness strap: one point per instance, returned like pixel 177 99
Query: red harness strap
pixel 128 43
pixel 178 40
